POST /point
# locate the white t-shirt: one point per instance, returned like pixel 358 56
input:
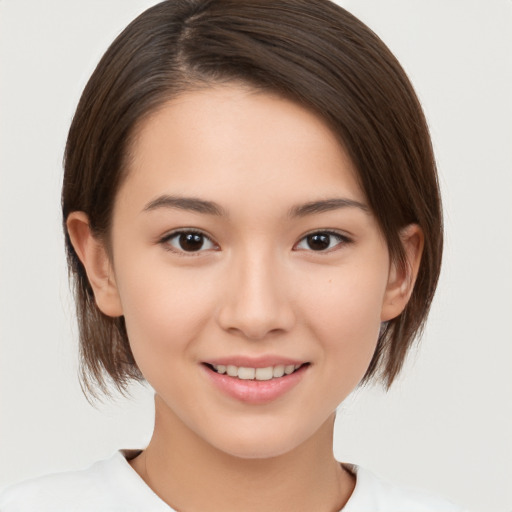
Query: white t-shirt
pixel 113 486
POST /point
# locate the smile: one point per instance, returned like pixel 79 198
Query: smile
pixel 247 373
pixel 255 380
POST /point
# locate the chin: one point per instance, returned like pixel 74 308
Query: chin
pixel 262 450
pixel 263 442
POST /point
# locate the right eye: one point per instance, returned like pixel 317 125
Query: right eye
pixel 322 241
pixel 188 241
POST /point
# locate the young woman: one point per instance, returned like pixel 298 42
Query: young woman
pixel 253 226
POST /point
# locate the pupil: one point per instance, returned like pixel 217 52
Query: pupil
pixel 318 241
pixel 191 241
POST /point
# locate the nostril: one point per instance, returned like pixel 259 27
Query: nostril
pixel 255 310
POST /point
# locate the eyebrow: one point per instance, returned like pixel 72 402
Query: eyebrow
pixel 202 206
pixel 192 204
pixel 325 205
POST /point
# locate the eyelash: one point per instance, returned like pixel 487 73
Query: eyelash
pixel 165 241
pixel 340 240
pixel 175 235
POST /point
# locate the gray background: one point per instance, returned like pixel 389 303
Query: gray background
pixel 446 425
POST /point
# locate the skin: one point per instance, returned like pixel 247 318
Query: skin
pixel 255 288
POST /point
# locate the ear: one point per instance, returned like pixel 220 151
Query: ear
pixel 97 264
pixel 401 281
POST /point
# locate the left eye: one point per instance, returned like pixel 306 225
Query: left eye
pixel 321 241
pixel 189 241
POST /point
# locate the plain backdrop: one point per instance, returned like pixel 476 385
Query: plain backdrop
pixel 446 425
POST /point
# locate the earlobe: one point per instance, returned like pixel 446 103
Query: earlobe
pixel 97 264
pixel 401 280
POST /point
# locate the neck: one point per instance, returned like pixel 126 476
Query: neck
pixel 191 475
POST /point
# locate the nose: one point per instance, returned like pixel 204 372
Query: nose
pixel 255 301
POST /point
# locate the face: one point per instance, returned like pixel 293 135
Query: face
pixel 252 276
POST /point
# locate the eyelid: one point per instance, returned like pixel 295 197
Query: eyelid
pixel 343 239
pixel 164 241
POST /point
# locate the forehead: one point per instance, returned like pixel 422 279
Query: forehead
pixel 234 142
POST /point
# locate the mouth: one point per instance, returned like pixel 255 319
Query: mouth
pixel 258 374
pixel 255 382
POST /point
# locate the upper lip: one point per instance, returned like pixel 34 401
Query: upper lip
pixel 255 362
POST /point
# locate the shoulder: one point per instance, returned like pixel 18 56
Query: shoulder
pixel 110 486
pixel 74 490
pixel 376 494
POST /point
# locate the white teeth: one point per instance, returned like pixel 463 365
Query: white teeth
pixel 232 370
pixel 279 370
pixel 264 373
pixel 245 373
pixel 289 369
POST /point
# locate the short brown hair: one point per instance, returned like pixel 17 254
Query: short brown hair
pixel 312 52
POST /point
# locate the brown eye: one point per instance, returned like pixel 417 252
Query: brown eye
pixel 189 241
pixel 321 241
pixel 318 241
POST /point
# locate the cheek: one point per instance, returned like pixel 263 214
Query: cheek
pixel 346 318
pixel 165 308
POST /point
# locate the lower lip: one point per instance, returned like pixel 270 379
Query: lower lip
pixel 255 391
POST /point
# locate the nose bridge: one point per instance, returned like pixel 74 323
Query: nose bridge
pixel 256 301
